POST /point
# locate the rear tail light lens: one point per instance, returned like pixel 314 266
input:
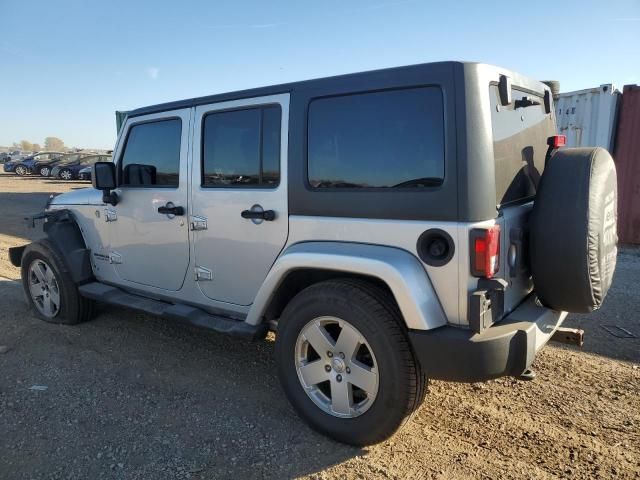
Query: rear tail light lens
pixel 485 251
pixel 557 141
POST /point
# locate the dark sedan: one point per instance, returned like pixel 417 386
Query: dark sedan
pixel 25 166
pixel 44 167
pixel 69 170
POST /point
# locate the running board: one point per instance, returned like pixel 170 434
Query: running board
pixel 180 312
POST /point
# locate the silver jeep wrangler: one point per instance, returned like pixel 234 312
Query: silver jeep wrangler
pixel 392 226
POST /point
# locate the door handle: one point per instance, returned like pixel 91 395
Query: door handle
pixel 268 215
pixel 171 210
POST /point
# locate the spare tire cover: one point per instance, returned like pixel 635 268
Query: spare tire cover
pixel 573 230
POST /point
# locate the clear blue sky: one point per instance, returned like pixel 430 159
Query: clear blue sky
pixel 66 66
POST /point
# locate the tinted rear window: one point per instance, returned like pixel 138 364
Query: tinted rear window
pixel 241 148
pixel 377 140
pixel 519 145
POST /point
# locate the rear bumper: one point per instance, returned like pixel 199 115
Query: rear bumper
pixel 506 348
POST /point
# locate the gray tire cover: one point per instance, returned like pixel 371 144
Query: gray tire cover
pixel 573 230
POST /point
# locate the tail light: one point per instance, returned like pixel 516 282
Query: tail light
pixel 557 141
pixel 485 251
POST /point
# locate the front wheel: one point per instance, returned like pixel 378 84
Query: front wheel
pixel 345 362
pixel 65 174
pixel 48 287
pixel 44 171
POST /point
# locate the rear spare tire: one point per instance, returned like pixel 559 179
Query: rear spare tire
pixel 573 233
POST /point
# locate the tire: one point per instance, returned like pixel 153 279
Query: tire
pixel 65 174
pixel 72 308
pixel 573 230
pixel 20 170
pixel 44 171
pixel 371 414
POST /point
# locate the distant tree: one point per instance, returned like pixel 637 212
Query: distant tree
pixel 36 147
pixel 53 143
pixel 26 146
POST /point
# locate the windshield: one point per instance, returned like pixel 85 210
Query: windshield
pixel 520 132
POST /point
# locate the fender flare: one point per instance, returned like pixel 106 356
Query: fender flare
pixel 65 236
pixel 398 269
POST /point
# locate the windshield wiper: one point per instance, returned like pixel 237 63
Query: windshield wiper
pixel 421 182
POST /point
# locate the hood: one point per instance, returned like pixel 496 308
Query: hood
pixel 81 196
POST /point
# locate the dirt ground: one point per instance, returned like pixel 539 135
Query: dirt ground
pixel 131 396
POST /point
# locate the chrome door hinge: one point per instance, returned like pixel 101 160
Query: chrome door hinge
pixel 203 274
pixel 110 215
pixel 115 257
pixel 198 222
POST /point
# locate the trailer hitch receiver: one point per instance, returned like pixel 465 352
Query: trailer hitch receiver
pixel 572 336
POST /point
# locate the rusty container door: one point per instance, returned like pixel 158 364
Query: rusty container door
pixel 627 157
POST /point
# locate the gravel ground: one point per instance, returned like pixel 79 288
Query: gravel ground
pixel 131 396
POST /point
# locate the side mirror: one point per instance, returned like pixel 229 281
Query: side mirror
pixel 104 178
pixel 138 174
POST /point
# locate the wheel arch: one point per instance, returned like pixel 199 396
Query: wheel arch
pixel 65 237
pixel 393 269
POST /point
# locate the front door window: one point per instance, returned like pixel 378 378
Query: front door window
pixel 152 155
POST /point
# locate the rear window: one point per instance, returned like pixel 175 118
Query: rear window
pixel 241 148
pixel 519 145
pixel 377 140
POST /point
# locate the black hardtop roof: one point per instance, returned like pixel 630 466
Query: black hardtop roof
pixel 276 89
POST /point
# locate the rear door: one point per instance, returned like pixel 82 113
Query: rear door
pixel 520 133
pixel 149 246
pixel 239 211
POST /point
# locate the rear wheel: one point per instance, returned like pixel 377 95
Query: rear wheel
pixel 65 174
pixel 345 363
pixel 44 171
pixel 48 287
pixel 21 170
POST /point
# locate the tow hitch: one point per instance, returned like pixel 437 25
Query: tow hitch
pixel 572 336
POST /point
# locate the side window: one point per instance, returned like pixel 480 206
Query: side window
pixel 241 148
pixel 152 154
pixel 377 140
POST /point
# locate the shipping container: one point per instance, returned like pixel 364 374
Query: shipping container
pixel 588 117
pixel 627 157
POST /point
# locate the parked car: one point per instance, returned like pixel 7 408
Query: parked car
pixel 85 173
pixel 69 170
pixel 5 157
pixel 45 167
pixel 26 165
pixel 10 165
pixel 382 223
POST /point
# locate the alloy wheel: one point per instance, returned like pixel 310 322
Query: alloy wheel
pixel 44 288
pixel 65 175
pixel 336 367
